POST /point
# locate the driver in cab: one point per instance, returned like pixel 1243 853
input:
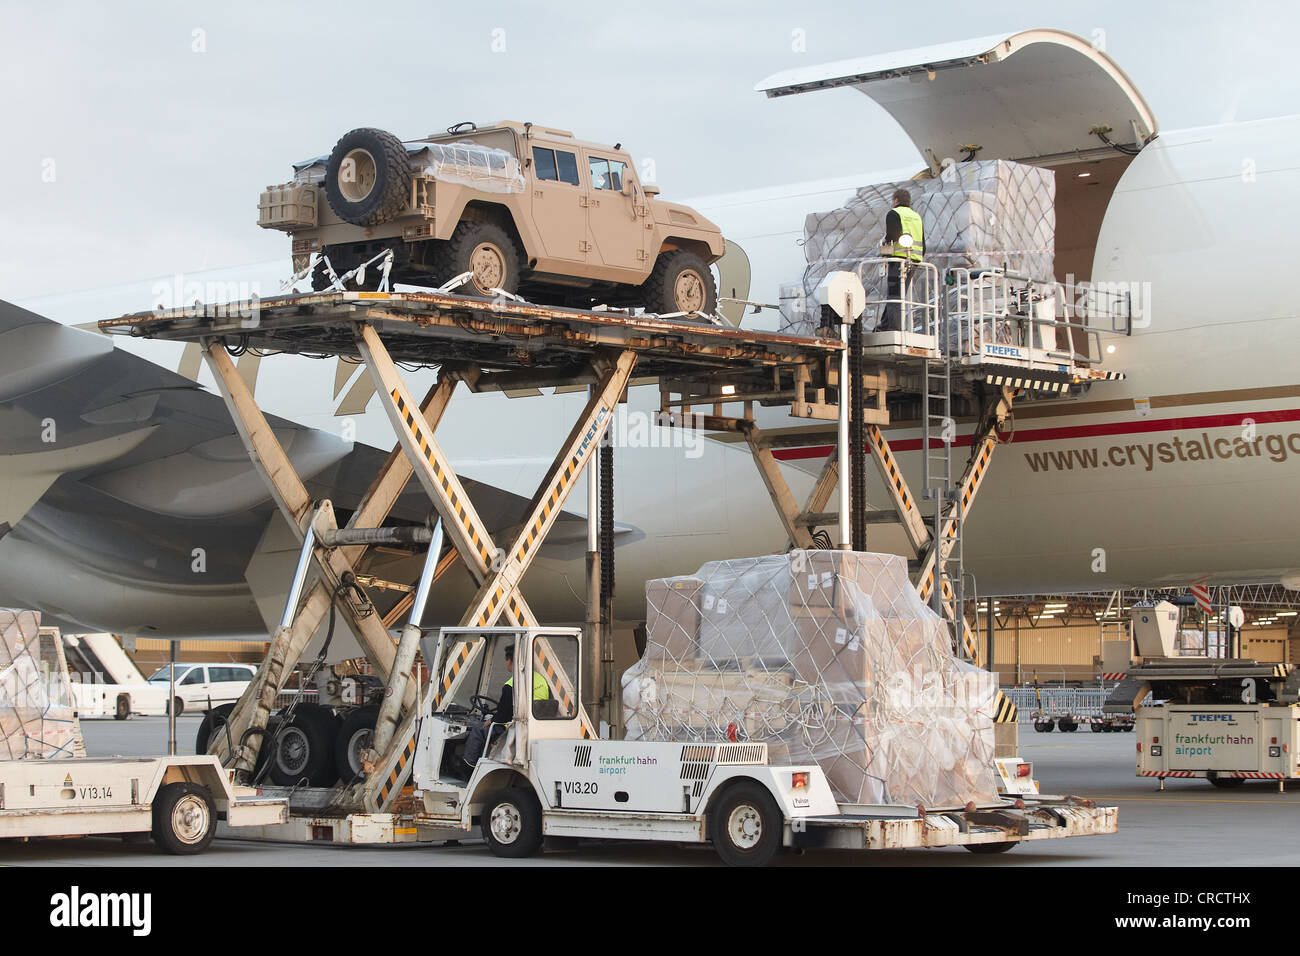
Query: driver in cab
pixel 483 735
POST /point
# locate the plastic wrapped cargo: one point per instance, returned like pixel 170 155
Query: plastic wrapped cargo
pixel 485 168
pixel 471 164
pixel 826 656
pixel 979 215
pixel 37 713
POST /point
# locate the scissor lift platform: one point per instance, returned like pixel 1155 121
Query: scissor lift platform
pixel 525 344
pixel 508 344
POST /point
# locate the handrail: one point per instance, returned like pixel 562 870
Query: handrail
pixel 914 277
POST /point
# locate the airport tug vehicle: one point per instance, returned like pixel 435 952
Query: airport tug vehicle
pixel 1225 720
pixel 546 777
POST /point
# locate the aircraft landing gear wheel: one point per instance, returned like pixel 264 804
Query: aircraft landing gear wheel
pixel 304 749
pixel 353 738
pixel 213 722
pixel 184 818
pixel 512 823
pixel 745 826
pixel 992 847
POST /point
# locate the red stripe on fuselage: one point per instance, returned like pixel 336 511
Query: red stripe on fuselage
pixel 1021 436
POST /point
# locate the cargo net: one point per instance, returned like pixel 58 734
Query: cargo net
pixel 37 714
pixel 828 657
pixel 977 215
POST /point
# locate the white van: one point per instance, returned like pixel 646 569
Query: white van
pixel 201 687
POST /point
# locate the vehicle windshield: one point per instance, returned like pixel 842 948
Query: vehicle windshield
pixel 163 674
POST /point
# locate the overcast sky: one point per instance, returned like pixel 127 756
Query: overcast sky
pixel 137 136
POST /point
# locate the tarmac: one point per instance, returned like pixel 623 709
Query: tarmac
pixel 1189 824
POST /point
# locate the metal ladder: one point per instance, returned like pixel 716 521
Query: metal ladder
pixel 937 424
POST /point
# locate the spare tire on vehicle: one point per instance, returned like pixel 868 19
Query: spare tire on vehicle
pixel 368 178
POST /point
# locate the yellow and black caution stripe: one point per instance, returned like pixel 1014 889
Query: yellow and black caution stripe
pixel 1032 384
pixel 976 474
pixel 877 439
pixel 1004 710
pixel 414 423
pixel 453 668
pixel 559 489
pixel 397 774
pixel 477 541
pixel 498 595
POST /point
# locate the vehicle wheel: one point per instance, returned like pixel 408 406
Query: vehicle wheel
pixel 512 823
pixel 213 722
pixel 123 707
pixel 991 847
pixel 304 748
pixel 745 826
pixel 177 705
pixel 184 818
pixel 1068 726
pixel 1107 729
pixel 1225 783
pixel 487 251
pixel 1041 726
pixel 680 282
pixel 354 735
pixel 368 178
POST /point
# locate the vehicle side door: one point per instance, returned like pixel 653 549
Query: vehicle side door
pixel 617 222
pixel 227 683
pixel 193 687
pixel 559 202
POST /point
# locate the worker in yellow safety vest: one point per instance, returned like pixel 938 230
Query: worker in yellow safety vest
pixel 493 725
pixel 904 240
pixel 541 690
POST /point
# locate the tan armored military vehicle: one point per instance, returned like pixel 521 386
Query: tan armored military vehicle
pixel 523 208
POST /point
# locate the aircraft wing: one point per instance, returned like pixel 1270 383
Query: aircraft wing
pixel 129 503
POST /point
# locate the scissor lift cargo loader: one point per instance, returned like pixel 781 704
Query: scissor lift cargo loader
pixel 501 344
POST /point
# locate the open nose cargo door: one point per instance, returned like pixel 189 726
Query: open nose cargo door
pixel 1034 97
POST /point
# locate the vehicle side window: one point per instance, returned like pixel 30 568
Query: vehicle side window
pixel 229 673
pixel 607 173
pixel 555 678
pixel 544 163
pixel 195 676
pixel 567 163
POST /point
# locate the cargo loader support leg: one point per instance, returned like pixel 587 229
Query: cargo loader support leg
pixel 982 444
pixel 498 572
pixel 407 645
pixel 287 644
